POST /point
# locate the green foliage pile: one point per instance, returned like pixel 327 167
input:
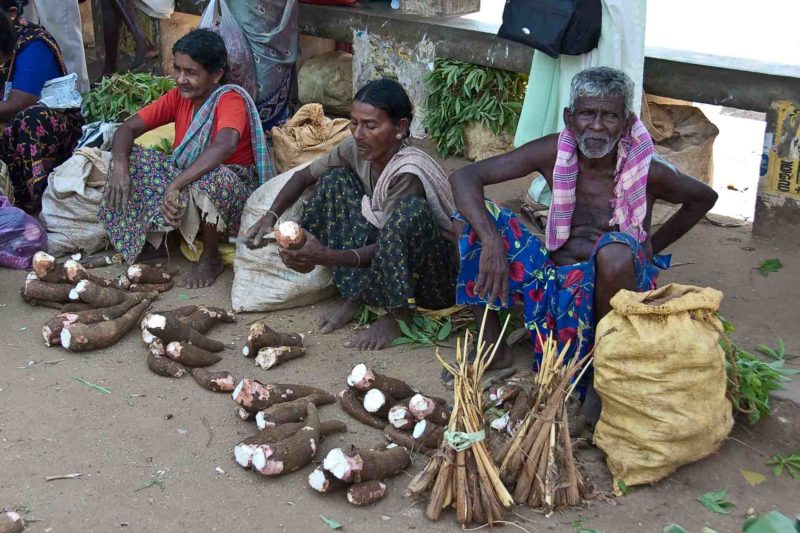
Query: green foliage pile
pixel 750 379
pixel 120 96
pixel 462 93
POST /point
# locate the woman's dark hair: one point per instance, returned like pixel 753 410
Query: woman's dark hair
pixel 8 37
pixel 6 5
pixel 206 47
pixel 388 96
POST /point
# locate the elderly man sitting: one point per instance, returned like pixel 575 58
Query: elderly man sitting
pixel 605 181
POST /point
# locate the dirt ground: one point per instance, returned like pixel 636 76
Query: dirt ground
pixel 156 454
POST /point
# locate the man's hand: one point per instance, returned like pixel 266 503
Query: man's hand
pixel 304 260
pixel 492 281
pixel 118 189
pixel 171 207
pixel 264 226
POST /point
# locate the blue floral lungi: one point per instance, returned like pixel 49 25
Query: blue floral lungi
pixel 558 299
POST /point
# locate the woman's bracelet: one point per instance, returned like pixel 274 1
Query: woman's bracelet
pixel 358 257
pixel 273 213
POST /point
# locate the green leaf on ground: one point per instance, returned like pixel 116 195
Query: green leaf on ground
pixel 92 385
pixel 770 266
pixel 790 463
pixel 152 483
pixel 445 331
pixel 715 501
pixel 185 297
pixel 674 528
pixel 333 524
pixel 624 488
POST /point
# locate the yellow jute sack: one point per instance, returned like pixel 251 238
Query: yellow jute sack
pixel 660 373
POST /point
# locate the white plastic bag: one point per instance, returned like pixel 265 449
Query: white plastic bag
pixel 219 18
pixel 261 282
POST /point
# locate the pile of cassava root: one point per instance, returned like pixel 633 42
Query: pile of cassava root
pixel 270 348
pixel 288 423
pixel 95 312
pixel 177 344
pixel 407 418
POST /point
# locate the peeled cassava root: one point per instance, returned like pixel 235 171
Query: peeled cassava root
pixel 86 337
pixel 169 329
pixel 364 379
pixel 323 481
pixel 424 408
pixel 366 464
pixel 51 331
pixel 270 357
pixel 366 493
pixel 191 355
pixel 180 313
pixel 261 336
pixel 292 411
pixel 243 452
pixel 400 417
pixel 256 396
pixel 291 453
pixel 11 522
pixel 290 235
pixel 214 381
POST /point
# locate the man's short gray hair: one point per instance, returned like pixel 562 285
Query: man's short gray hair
pixel 601 82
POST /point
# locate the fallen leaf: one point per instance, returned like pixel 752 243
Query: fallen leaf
pixel 92 385
pixel 290 503
pixel 708 530
pixel 185 297
pixel 770 266
pixel 674 528
pixel 754 478
pixel 624 488
pixel 715 501
pixel 333 524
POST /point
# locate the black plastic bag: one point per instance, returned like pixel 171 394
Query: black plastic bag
pixel 570 27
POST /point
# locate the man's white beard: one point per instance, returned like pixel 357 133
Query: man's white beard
pixel 597 152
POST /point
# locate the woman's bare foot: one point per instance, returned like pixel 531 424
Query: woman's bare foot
pixel 339 318
pixel 205 272
pixel 379 335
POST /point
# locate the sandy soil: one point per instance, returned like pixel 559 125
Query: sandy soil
pixel 151 429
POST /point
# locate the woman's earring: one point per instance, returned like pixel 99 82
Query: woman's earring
pixel 399 136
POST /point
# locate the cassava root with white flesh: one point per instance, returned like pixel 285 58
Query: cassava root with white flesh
pixel 260 336
pixel 366 493
pixel 291 453
pixel 271 357
pixel 87 337
pixel 169 329
pixel 11 522
pixel 292 411
pixel 191 355
pixel 164 366
pixel 149 274
pixel 89 292
pixel 221 381
pixel 51 331
pixel 256 396
pixel 364 379
pixel 367 464
pixel 243 452
pixel 355 408
pixel 43 291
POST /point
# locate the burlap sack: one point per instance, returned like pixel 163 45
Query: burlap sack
pixel 660 373
pixel 327 79
pixel 306 136
pixel 682 135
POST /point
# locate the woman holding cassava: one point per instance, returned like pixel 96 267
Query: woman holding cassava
pixel 379 216
pixel 220 157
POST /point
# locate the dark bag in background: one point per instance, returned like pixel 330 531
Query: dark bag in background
pixel 554 27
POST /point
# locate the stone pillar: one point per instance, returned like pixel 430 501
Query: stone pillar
pixel 381 56
pixel 778 198
pixel 439 8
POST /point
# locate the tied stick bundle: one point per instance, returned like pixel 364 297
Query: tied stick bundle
pixel 540 459
pixel 463 474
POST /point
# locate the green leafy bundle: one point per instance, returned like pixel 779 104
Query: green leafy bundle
pixel 120 96
pixel 461 93
pixel 751 380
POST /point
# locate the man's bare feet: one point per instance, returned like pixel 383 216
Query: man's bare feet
pixel 204 273
pixel 339 318
pixel 378 336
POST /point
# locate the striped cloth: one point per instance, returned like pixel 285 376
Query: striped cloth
pixel 634 152
pixel 199 134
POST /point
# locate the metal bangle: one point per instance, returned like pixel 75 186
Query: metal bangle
pixel 358 258
pixel 270 211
